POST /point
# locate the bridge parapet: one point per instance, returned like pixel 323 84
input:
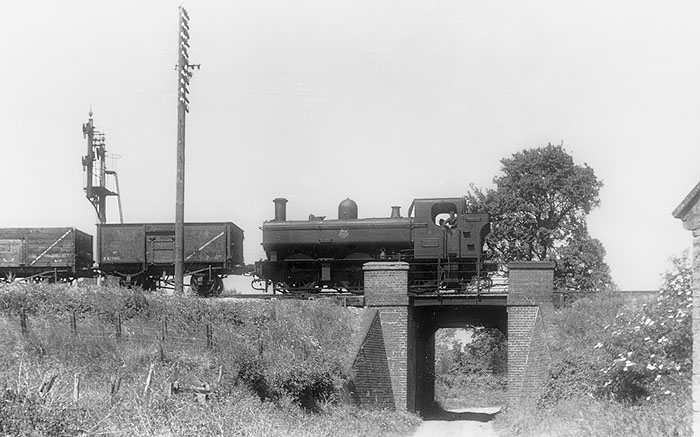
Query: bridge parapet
pixel 386 283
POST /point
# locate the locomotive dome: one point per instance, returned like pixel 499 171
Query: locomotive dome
pixel 347 210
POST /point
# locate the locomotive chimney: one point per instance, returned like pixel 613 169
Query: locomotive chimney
pixel 280 209
pixel 395 212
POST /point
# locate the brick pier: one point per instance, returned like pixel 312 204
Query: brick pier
pixel 394 365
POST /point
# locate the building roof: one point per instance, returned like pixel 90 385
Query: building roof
pixel 688 203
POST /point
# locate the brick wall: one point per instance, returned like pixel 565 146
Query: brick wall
pixel 386 284
pixel 371 384
pixel 530 298
pixel 696 331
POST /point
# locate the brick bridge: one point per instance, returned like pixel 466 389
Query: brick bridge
pixel 395 361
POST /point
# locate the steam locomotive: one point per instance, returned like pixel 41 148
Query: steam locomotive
pixel 440 241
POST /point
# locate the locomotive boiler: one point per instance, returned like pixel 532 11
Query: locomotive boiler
pixel 441 242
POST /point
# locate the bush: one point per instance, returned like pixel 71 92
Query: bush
pixel 297 350
pixel 610 350
pixel 651 349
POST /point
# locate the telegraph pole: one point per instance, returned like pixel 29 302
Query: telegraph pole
pixel 184 73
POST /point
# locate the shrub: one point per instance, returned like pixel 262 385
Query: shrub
pixel 610 350
pixel 652 347
pixel 297 350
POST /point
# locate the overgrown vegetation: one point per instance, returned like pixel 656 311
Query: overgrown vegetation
pixel 619 369
pixel 471 373
pixel 282 365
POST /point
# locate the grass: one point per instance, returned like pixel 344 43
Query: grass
pixel 462 391
pixel 282 366
pixel 587 417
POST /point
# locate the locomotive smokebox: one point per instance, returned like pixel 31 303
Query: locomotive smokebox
pixel 280 209
pixel 395 212
pixel 347 210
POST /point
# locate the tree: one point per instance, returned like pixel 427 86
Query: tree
pixel 538 213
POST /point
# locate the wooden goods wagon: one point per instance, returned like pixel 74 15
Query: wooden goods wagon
pixel 144 253
pixel 53 253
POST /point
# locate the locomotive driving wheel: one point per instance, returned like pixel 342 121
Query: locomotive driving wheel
pixel 353 281
pixel 301 280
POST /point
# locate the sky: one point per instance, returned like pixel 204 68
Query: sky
pixel 380 101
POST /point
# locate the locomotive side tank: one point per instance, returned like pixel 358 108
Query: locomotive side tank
pixel 49 253
pixel 441 243
pixel 143 253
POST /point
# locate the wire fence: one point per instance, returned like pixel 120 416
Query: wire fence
pixel 117 329
pixel 155 336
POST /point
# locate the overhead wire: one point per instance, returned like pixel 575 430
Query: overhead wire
pixel 145 102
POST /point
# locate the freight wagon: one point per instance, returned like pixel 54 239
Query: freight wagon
pixel 144 253
pixel 45 253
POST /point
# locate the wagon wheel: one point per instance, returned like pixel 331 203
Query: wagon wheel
pixel 206 286
pixel 150 283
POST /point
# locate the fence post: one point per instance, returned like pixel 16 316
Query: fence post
pixel 23 322
pixel 74 324
pixel 164 330
pixel 148 381
pixel 119 327
pixel 76 387
pixel 163 336
pixel 47 384
pixel 19 377
pixel 209 336
pixel 114 386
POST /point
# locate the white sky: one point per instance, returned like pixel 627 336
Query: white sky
pixel 380 101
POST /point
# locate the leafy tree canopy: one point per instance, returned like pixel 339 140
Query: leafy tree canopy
pixel 538 213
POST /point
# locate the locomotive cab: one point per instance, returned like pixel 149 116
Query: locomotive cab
pixel 443 229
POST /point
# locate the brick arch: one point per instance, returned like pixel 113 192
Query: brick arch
pixel 403 328
pixel 426 321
